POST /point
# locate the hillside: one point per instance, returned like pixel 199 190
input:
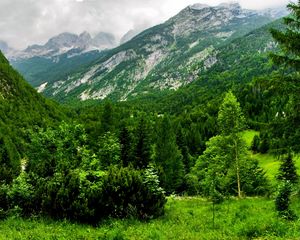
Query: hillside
pixel 164 57
pixel 21 107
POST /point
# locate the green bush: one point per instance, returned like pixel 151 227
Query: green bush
pixel 131 193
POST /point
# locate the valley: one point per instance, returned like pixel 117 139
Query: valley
pixel 188 129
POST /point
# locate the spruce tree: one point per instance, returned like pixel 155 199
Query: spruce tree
pixel 287 170
pixel 169 157
pixel 289 40
pixel 107 118
pixel 142 153
pixel 287 131
pixel 126 143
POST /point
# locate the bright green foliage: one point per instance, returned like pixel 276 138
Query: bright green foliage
pixel 109 149
pixel 55 150
pixel 230 117
pixel 168 157
pixel 225 163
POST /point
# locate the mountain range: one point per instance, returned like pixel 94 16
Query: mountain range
pixel 162 58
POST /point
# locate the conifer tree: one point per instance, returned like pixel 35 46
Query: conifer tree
pixel 287 170
pixel 287 131
pixel 169 157
pixel 126 143
pixel 107 118
pixel 289 40
pixel 142 153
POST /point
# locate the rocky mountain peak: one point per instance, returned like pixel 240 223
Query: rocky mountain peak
pixel 199 6
pixel 230 5
pixel 62 40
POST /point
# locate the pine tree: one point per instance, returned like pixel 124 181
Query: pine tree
pixel 289 40
pixel 287 170
pixel 142 153
pixel 126 143
pixel 107 118
pixel 169 157
pixel 287 131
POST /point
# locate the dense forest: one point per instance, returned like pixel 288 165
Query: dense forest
pixel 93 161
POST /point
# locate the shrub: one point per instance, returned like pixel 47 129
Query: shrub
pixel 131 193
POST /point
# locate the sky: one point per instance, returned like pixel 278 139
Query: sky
pixel 27 22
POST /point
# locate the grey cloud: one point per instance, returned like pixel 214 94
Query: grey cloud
pixel 25 22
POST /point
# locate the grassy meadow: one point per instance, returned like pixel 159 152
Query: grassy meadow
pixel 185 218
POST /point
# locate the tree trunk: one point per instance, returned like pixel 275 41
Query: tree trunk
pixel 237 169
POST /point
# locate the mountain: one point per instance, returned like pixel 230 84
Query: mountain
pixel 67 43
pixel 104 40
pixel 60 56
pixel 130 34
pixel 165 57
pixel 238 63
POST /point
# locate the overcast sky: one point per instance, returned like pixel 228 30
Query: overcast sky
pixel 26 22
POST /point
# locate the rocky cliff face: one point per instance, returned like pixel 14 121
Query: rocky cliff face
pixel 164 57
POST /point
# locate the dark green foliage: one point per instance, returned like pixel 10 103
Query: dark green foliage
pixel 107 119
pixel 287 170
pixel 127 193
pixel 282 201
pixel 289 39
pixel 142 153
pixel 264 144
pixel 285 127
pixel 168 157
pixel 126 143
pixel 10 163
pixel 255 144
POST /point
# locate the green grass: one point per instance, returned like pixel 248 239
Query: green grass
pixel 267 161
pixel 185 218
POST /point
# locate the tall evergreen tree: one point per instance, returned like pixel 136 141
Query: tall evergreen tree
pixel 287 170
pixel 107 119
pixel 289 41
pixel 126 143
pixel 142 153
pixel 169 157
pixel 286 125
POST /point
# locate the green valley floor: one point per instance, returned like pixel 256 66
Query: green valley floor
pixel 185 218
